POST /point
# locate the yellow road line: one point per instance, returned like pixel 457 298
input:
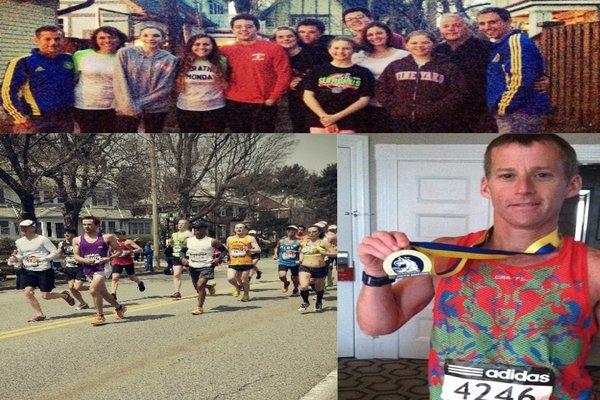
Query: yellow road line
pixel 78 320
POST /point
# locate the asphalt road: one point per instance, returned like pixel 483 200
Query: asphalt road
pixel 263 349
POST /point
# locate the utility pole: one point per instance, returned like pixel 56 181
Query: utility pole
pixel 154 199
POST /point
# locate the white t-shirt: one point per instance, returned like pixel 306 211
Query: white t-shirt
pixel 201 92
pixel 35 254
pixel 199 252
pixel 377 65
pixel 94 90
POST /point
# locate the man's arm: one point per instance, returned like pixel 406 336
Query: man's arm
pixel 134 245
pixel 522 67
pixel 224 252
pixel 276 251
pixel 14 78
pixel 51 248
pixel 594 281
pixel 383 310
pixel 76 254
pixel 254 248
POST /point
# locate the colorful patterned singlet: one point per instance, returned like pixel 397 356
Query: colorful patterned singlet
pixel 494 314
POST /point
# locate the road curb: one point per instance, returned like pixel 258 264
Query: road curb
pixel 325 390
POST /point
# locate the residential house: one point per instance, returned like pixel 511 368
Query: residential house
pixel 103 204
pixel 290 208
pixel 18 21
pixel 132 15
pixel 529 15
pixel 290 12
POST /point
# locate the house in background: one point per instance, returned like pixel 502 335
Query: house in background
pixel 290 12
pixel 529 15
pixel 132 15
pixel 104 204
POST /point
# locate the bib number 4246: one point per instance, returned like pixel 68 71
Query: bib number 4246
pixel 483 391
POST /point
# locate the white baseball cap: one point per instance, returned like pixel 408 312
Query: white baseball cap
pixel 27 222
pixel 252 232
pixel 332 228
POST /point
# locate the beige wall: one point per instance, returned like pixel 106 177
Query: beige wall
pixel 285 9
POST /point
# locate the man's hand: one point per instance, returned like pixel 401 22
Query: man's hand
pixel 269 103
pixel 373 249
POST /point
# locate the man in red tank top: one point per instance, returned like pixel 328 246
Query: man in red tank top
pixel 125 262
pixel 517 327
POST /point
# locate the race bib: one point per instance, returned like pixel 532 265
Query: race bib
pixel 198 257
pixel 467 381
pixel 94 257
pixel 30 261
pixel 288 255
pixel 70 261
pixel 309 249
pixel 238 253
pixel 176 249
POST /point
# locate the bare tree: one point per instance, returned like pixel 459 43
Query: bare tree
pixel 25 160
pixel 200 169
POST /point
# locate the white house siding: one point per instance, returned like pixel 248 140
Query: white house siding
pixel 18 22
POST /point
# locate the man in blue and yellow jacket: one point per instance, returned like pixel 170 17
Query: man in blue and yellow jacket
pixel 38 89
pixel 515 64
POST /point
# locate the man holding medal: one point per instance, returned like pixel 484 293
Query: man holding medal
pixel 516 306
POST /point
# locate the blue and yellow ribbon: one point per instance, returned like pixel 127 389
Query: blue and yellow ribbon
pixel 544 245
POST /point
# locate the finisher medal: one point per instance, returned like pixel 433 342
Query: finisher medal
pixel 405 263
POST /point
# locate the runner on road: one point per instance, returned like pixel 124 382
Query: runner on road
pixel 312 265
pixel 241 246
pixel 178 238
pixel 287 252
pixel 91 249
pixel 125 261
pixel 198 255
pixel 33 257
pixel 73 270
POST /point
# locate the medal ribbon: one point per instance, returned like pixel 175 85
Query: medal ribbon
pixel 545 245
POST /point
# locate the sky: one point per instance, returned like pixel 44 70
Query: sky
pixel 314 152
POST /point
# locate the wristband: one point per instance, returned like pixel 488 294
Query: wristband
pixel 373 281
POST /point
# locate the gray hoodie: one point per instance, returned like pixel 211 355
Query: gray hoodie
pixel 143 83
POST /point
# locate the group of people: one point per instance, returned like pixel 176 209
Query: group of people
pixel 309 257
pixel 95 257
pixel 375 81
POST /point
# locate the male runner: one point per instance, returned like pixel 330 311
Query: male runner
pixel 38 89
pixel 287 251
pixel 241 246
pixel 260 76
pixel 91 249
pixel 33 256
pixel 528 318
pixel 125 262
pixel 198 255
pixel 255 258
pixel 73 270
pixel 178 238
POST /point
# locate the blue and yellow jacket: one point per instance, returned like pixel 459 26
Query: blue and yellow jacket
pixel 515 64
pixel 36 85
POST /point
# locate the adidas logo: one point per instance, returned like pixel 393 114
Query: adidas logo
pixel 39 69
pixel 522 376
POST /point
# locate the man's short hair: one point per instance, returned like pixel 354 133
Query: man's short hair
pixel 502 13
pixel 317 23
pixel 568 155
pixel 48 28
pixel 356 9
pixel 245 16
pixel 95 219
pixel 454 15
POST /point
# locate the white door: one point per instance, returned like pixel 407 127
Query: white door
pixel 353 218
pixel 427 191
